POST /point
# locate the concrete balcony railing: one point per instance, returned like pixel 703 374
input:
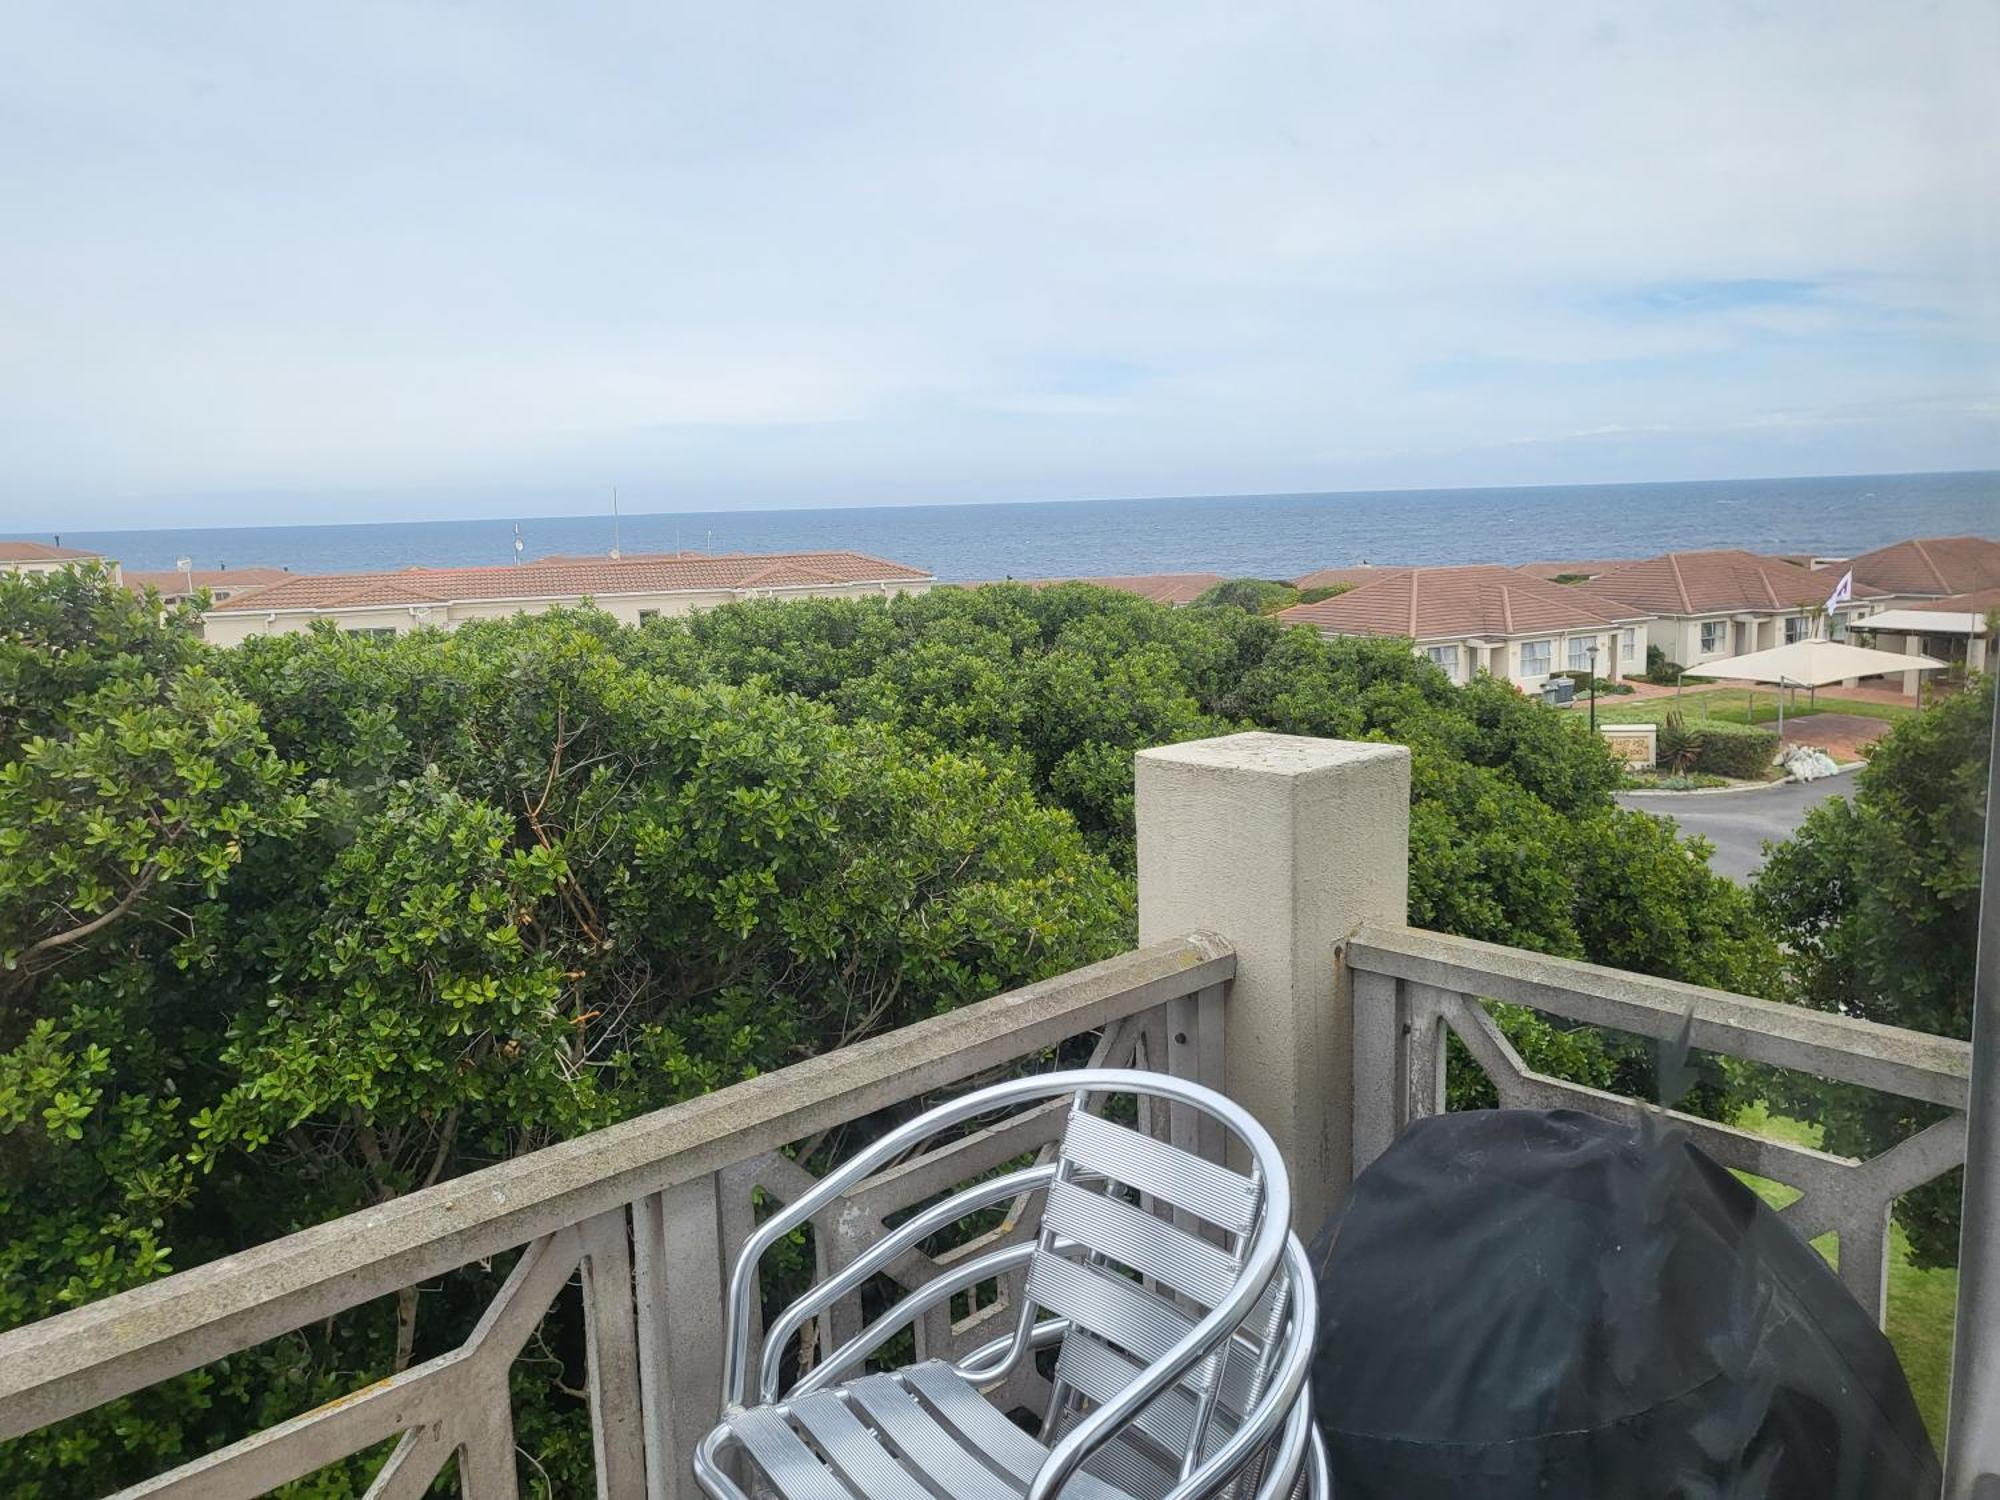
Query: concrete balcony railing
pixel 1273 881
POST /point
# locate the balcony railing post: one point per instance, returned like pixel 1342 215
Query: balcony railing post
pixel 1284 845
pixel 680 1278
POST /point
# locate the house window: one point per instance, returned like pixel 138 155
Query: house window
pixel 1628 644
pixel 647 616
pixel 1537 657
pixel 373 632
pixel 1444 656
pixel 1797 628
pixel 1836 627
pixel 1579 652
pixel 1713 635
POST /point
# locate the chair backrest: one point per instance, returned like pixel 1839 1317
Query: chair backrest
pixel 1166 1272
pixel 1139 1239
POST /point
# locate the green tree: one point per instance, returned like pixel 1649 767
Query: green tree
pixel 543 887
pixel 1256 596
pixel 1877 900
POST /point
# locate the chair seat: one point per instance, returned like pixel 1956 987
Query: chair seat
pixel 913 1435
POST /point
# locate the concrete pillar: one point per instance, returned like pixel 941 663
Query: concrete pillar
pixel 1284 845
pixel 1912 644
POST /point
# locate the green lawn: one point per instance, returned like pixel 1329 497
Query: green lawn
pixel 1735 706
pixel 1921 1302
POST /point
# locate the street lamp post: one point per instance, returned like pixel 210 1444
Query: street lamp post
pixel 1591 652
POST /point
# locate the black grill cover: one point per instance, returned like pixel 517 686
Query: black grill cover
pixel 1519 1303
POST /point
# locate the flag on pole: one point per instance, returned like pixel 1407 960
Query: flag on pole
pixel 1842 591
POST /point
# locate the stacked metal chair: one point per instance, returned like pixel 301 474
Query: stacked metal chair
pixel 1176 1301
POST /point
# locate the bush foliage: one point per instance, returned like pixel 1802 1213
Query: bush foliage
pixel 1877 900
pixel 298 927
pixel 1735 750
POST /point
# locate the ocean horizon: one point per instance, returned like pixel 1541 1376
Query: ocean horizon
pixel 1274 536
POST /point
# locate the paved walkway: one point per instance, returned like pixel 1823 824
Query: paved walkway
pixel 1738 823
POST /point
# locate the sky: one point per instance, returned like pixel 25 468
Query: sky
pixel 271 261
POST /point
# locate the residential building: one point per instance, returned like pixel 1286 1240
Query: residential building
pixel 1957 628
pixel 174 585
pixel 1708 605
pixel 40 557
pixel 1486 618
pixel 1930 567
pixel 1162 588
pixel 632 589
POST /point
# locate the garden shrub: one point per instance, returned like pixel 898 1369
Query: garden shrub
pixel 1736 750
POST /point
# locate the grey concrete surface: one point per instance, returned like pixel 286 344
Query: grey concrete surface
pixel 1738 823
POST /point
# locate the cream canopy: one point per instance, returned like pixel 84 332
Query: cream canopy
pixel 1813 664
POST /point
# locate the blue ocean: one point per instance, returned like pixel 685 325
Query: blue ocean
pixel 1273 536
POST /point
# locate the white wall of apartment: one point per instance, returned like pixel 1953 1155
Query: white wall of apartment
pixel 1512 657
pixel 1681 637
pixel 228 629
pixel 57 564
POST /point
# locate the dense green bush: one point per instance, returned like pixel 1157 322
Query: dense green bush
pixel 1877 899
pixel 1256 596
pixel 1739 750
pixel 304 925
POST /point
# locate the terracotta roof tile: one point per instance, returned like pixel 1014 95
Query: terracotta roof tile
pixel 1726 581
pixel 1326 578
pixel 173 581
pixel 1931 565
pixel 1573 567
pixel 40 552
pixel 571 580
pixel 1975 602
pixel 1453 603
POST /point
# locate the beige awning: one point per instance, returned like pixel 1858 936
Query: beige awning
pixel 1923 622
pixel 1813 664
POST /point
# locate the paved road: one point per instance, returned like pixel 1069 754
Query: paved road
pixel 1737 823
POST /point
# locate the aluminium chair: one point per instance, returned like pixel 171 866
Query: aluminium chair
pixel 1178 1305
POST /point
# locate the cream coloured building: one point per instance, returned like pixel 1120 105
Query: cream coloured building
pixel 1487 618
pixel 632 589
pixel 1708 605
pixel 40 557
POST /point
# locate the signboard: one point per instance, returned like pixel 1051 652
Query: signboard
pixel 1635 744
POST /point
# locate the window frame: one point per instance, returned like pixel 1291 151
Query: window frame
pixel 1721 629
pixel 1547 655
pixel 1445 658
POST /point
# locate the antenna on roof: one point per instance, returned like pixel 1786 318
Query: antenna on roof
pixel 615 551
pixel 517 544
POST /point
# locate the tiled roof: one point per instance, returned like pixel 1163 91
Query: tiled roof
pixel 1698 583
pixel 592 557
pixel 1161 588
pixel 1931 565
pixel 1574 568
pixel 1326 578
pixel 40 552
pixel 572 580
pixel 173 581
pixel 1977 602
pixel 1483 599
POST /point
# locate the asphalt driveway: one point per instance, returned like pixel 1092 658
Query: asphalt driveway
pixel 1738 823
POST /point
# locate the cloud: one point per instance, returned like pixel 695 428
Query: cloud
pixel 782 254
